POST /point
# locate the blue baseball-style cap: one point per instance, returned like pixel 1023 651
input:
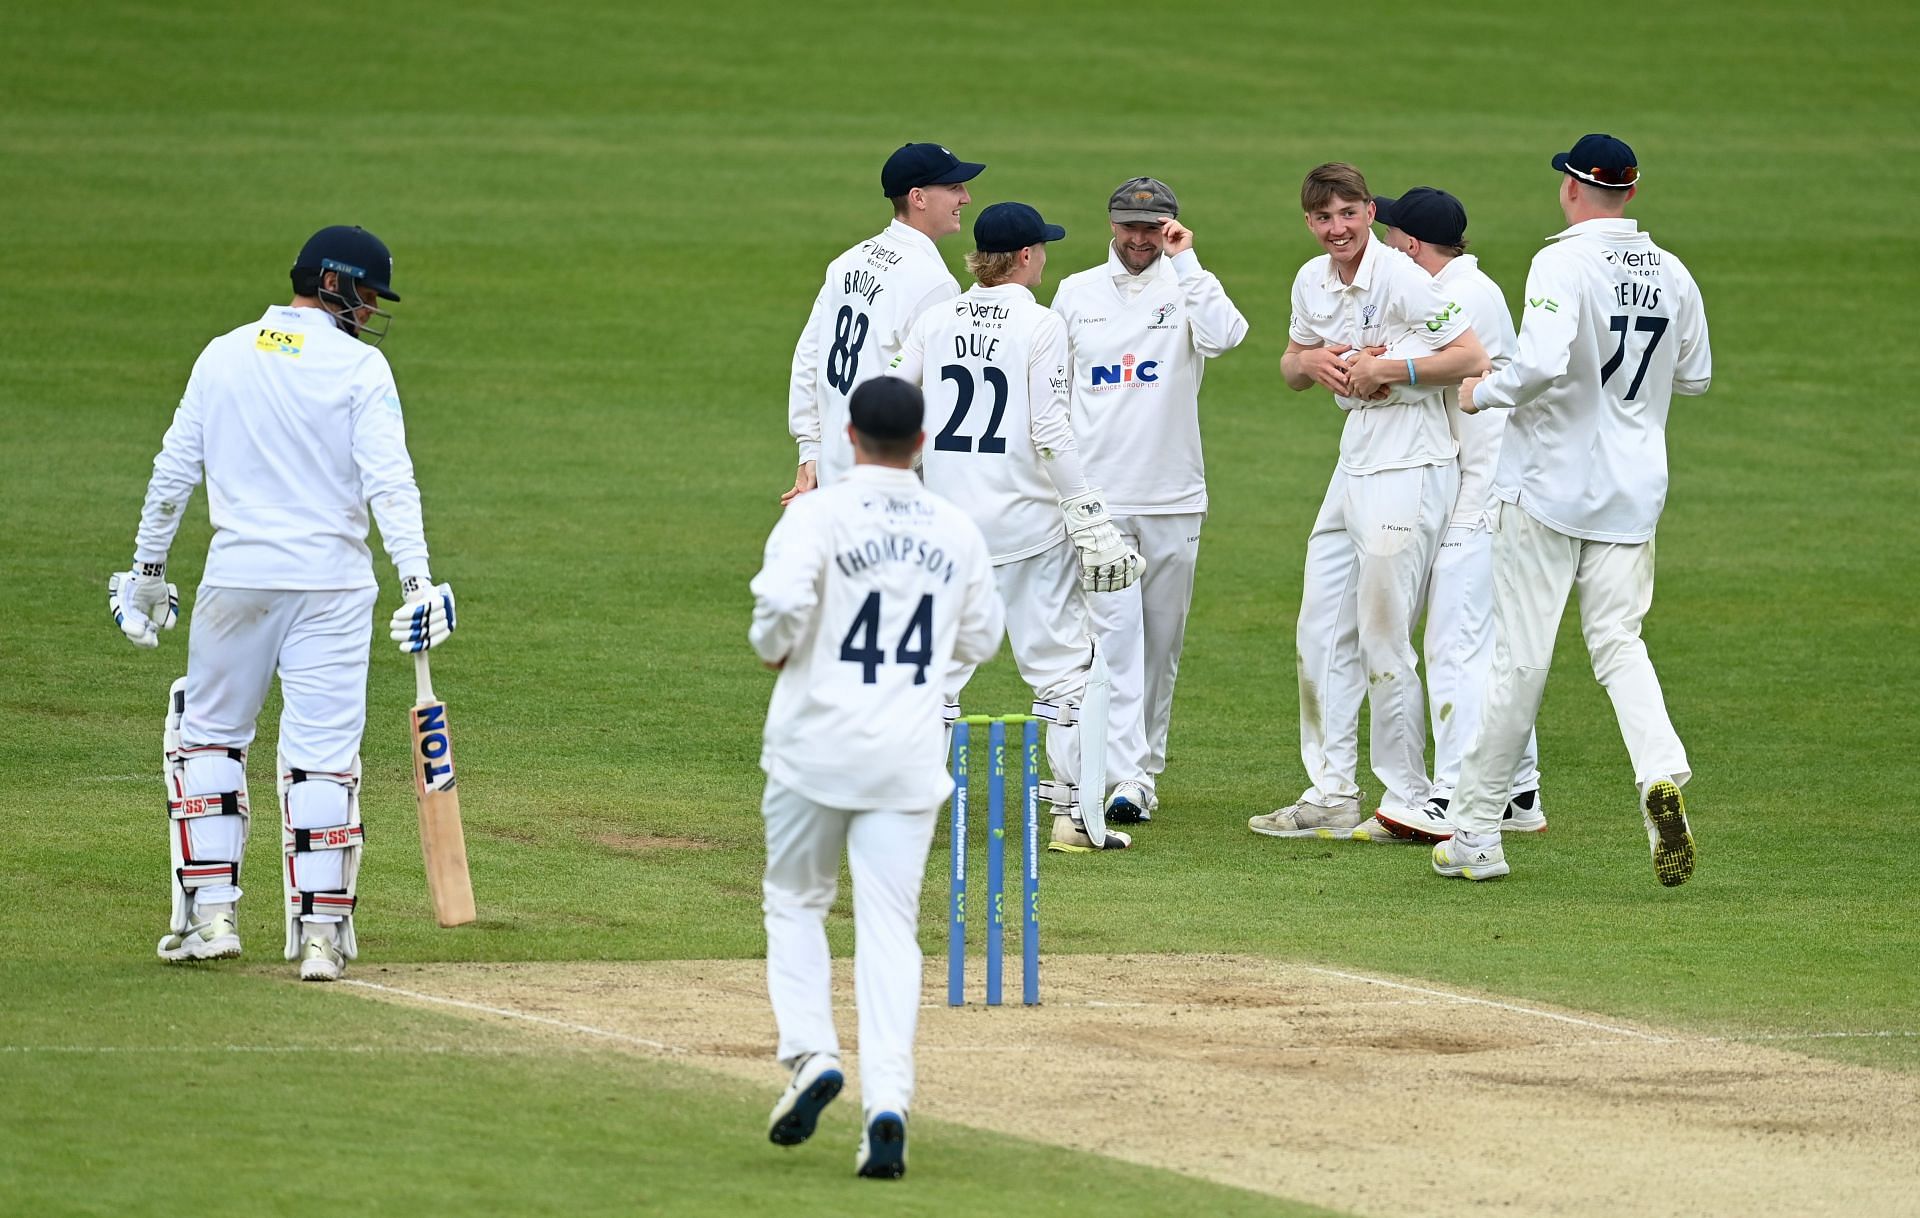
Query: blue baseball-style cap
pixel 924 165
pixel 887 408
pixel 1006 227
pixel 1600 160
pixel 1425 213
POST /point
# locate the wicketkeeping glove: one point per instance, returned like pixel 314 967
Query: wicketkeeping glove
pixel 1106 564
pixel 143 603
pixel 426 619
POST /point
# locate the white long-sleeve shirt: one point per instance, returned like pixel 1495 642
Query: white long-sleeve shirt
pixel 1613 328
pixel 994 367
pixel 1392 303
pixel 295 426
pixel 870 590
pixel 1140 345
pixel 1479 434
pixel 872 294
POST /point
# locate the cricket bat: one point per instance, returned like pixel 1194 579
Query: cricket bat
pixel 442 841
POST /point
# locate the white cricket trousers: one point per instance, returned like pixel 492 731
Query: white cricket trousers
pixel 887 854
pixel 1367 562
pixel 1534 568
pixel 1142 630
pixel 1459 654
pixel 237 639
pixel 1050 636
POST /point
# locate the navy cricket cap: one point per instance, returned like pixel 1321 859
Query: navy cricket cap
pixel 924 165
pixel 1425 213
pixel 1006 227
pixel 1600 160
pixel 352 251
pixel 887 408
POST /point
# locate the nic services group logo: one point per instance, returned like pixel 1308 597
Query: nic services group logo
pixel 1130 371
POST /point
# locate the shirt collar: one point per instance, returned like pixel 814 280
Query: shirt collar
pixel 1363 277
pixel 302 313
pixel 1605 227
pixel 1120 273
pixel 885 476
pixel 1000 290
pixel 1457 267
pixel 906 234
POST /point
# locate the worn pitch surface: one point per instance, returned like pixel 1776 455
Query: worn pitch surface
pixel 1359 1093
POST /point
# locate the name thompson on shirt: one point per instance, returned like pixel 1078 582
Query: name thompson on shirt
pixel 896 547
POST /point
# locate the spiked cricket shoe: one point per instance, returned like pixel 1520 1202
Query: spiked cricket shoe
pixel 320 960
pixel 1129 804
pixel 1668 835
pixel 883 1147
pixel 1524 814
pixel 1069 837
pixel 816 1080
pixel 1303 819
pixel 1460 859
pixel 217 938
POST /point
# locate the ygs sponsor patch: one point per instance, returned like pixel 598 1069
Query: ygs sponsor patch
pixel 279 342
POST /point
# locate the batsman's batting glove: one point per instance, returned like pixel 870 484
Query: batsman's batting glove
pixel 1106 564
pixel 426 620
pixel 143 603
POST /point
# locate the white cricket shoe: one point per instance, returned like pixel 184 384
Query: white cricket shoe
pixel 1668 835
pixel 1524 814
pixel 1303 819
pixel 816 1080
pixel 1070 837
pixel 883 1147
pixel 1479 859
pixel 217 938
pixel 1376 830
pixel 1428 824
pixel 320 960
pixel 1129 804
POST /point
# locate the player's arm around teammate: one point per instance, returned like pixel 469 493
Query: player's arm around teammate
pixel 1141 326
pixel 870 298
pixel 870 590
pixel 1383 514
pixel 1429 226
pixel 295 426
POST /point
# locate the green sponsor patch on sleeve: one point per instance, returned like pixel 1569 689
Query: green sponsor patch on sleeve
pixel 1543 302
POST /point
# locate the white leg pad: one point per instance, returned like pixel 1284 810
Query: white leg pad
pixel 321 837
pixel 207 816
pixel 1064 796
pixel 1059 714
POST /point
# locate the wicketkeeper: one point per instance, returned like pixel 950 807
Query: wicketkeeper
pixel 294 423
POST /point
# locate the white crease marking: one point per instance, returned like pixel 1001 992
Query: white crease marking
pixel 1488 1002
pixel 510 1013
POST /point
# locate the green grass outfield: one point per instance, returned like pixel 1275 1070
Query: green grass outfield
pixel 608 222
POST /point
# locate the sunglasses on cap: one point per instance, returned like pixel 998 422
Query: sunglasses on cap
pixel 1626 175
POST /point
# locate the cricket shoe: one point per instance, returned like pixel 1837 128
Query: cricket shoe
pixel 1070 837
pixel 816 1080
pixel 1304 819
pixel 1524 814
pixel 1457 858
pixel 217 938
pixel 1376 830
pixel 1668 836
pixel 1429 824
pixel 320 960
pixel 1129 804
pixel 883 1147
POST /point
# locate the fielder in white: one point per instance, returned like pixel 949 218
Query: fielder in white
pixel 872 588
pixel 295 426
pixel 1613 328
pixel 1141 328
pixel 994 366
pixel 1386 339
pixel 1430 226
pixel 871 295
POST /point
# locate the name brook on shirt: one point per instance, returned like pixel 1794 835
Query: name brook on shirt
pixel 863 285
pixel 893 547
